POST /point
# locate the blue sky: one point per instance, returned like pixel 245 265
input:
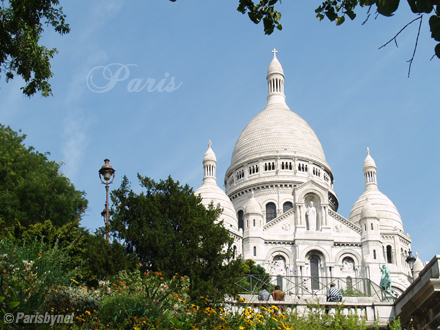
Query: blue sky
pixel 353 95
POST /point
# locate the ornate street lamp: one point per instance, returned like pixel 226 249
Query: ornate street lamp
pixel 107 175
pixel 410 260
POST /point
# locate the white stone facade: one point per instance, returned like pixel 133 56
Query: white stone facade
pixel 281 207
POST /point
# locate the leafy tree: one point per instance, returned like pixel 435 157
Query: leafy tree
pixel 249 267
pixel 31 188
pixel 253 277
pixel 21 27
pixel 172 232
pixel 337 10
pixel 102 260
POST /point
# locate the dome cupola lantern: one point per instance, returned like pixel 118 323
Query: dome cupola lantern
pixel 275 81
pixel 370 171
pixel 209 164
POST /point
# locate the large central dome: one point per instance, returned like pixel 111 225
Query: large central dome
pixel 277 130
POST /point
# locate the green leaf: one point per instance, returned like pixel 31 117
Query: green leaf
pixel 424 6
pixel 2 298
pixel 387 7
pixel 320 16
pixel 434 25
pixel 351 14
pixel 256 18
pixel 365 3
pixel 340 20
pixel 413 6
pixel 13 304
pixel 331 15
pixel 437 50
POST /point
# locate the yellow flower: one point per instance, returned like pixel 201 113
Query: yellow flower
pixel 274 319
pixel 74 281
pixel 87 312
pixel 274 307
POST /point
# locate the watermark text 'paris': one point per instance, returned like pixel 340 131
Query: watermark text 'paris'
pixel 102 79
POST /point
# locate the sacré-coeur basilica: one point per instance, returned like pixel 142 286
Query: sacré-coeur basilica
pixel 281 208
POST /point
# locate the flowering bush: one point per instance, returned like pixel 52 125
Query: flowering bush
pixel 29 271
pixel 77 299
pixel 144 299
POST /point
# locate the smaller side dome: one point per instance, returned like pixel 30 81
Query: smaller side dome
pixel 252 206
pixel 418 266
pixel 210 192
pixel 385 210
pixel 368 211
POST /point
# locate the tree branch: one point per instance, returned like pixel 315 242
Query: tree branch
pixel 415 46
pixel 395 37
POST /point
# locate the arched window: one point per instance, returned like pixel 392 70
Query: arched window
pixel 255 251
pixel 254 222
pixel 389 255
pixel 234 252
pixel 314 273
pixel 271 212
pixel 372 227
pixel 287 206
pixel 240 219
pixel 374 254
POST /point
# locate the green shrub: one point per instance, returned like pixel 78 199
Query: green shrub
pixel 149 299
pixel 31 269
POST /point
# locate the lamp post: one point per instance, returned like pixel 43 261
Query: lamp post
pixel 107 175
pixel 410 260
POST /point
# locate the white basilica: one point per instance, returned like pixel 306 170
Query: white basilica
pixel 281 208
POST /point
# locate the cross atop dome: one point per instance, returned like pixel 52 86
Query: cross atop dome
pixel 368 151
pixel 209 144
pixel 274 53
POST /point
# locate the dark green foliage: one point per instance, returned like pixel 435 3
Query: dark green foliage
pixel 387 7
pixel 172 232
pixel 21 26
pixel 31 188
pixel 253 277
pixel 250 267
pixel 265 10
pixel 103 260
pixel 336 10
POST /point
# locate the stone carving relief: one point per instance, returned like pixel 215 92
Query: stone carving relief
pixel 278 266
pixel 286 227
pixel 338 228
pixel 348 265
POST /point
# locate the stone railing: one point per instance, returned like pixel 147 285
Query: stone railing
pixel 373 313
